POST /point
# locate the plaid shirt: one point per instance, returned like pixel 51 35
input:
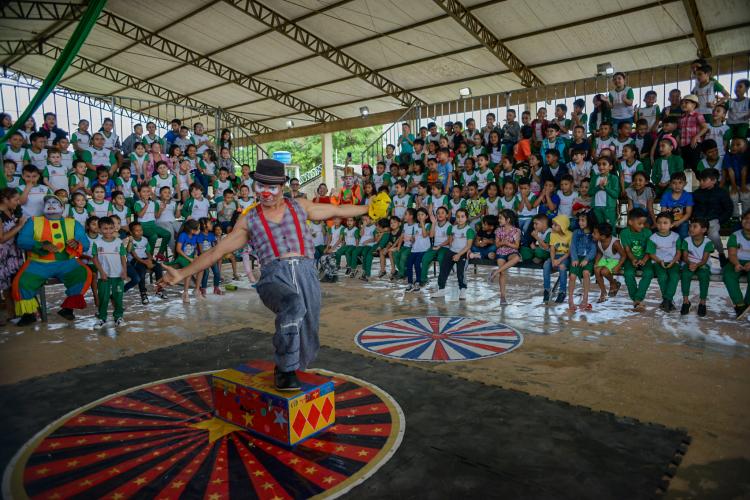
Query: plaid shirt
pixel 284 234
pixel 690 125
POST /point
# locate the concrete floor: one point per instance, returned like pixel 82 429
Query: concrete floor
pixel 677 371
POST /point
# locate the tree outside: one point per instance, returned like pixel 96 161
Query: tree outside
pixel 307 151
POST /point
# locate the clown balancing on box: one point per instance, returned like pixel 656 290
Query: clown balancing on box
pixel 53 244
pixel 288 283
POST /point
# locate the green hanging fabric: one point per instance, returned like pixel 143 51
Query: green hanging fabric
pixel 61 66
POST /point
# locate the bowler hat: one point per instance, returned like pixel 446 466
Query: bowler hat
pixel 268 171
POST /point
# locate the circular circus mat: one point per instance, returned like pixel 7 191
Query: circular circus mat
pixel 438 339
pixel 160 440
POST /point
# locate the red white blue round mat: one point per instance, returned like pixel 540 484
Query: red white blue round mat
pixel 438 339
pixel 160 440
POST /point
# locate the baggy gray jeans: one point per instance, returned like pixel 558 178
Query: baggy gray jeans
pixel 291 289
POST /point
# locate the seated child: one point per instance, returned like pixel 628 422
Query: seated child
pixel 738 265
pixel 634 240
pixel 559 260
pixel 538 249
pixel 663 248
pixel 508 243
pixel 582 255
pixel 696 249
pixel 610 258
pixel 484 243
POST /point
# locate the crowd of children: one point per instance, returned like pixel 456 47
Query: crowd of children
pixel 545 193
pixel 139 206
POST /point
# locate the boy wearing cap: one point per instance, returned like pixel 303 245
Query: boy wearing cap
pixel 288 284
pixel 693 127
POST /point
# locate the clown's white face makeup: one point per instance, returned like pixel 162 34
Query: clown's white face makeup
pixel 267 193
pixel 53 208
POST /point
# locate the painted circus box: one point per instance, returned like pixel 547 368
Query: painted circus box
pixel 246 396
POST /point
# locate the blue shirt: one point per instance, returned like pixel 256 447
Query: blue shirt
pixel 444 175
pixel 405 146
pixel 544 209
pixel 189 243
pixel 108 187
pixel 736 163
pixel 685 200
pixel 206 241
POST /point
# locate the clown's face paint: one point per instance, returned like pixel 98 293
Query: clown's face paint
pixel 267 194
pixel 348 181
pixel 53 209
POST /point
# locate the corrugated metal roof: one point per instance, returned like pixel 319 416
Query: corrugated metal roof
pixel 415 45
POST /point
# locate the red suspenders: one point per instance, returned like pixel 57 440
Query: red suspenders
pixel 270 234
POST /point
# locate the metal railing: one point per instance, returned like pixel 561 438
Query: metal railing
pixel 390 135
pixel 311 175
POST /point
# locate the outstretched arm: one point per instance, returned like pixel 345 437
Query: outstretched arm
pixel 234 241
pixel 323 211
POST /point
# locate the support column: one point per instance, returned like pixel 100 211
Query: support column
pixel 329 174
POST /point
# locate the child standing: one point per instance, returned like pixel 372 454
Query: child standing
pixel 420 245
pixel 662 248
pixel 582 255
pixel 621 99
pixel 605 189
pixel 185 251
pixel 206 241
pixel 738 265
pixel 739 109
pixel 696 249
pixel 559 258
pixel 693 127
pixel 10 254
pixel 461 236
pixel 634 239
pixel 109 254
pixel 508 244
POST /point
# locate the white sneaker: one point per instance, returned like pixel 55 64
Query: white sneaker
pixel 120 322
pixel 100 323
pixel 440 293
pixel 462 294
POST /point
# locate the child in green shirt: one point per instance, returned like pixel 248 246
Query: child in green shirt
pixel 605 190
pixel 634 240
pixel 738 265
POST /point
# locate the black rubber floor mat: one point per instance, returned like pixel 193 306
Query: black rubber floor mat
pixel 462 438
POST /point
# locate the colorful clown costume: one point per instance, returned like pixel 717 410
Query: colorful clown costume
pixel 42 265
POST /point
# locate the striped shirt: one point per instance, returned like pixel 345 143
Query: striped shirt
pixel 284 234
